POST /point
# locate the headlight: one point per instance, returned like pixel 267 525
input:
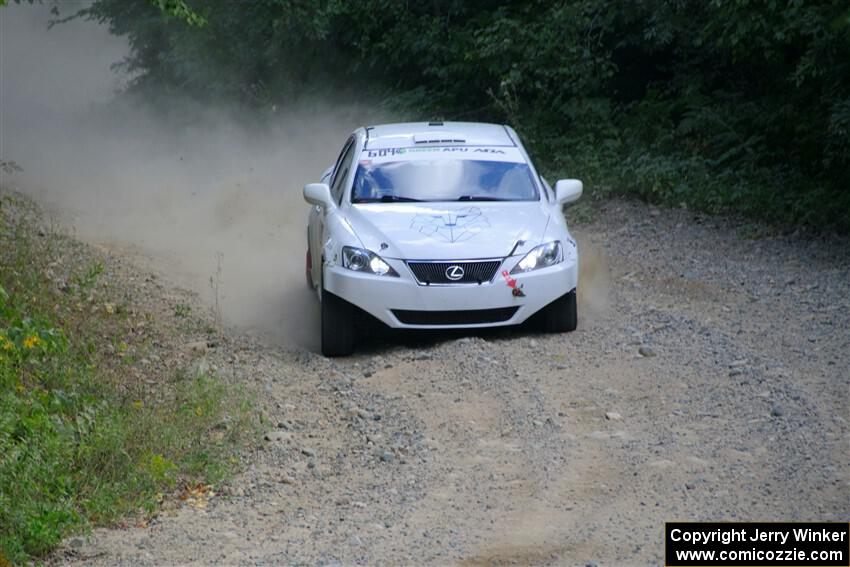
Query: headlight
pixel 542 256
pixel 360 260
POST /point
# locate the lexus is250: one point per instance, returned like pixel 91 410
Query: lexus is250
pixel 439 225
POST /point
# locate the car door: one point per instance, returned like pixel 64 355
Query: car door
pixel 317 225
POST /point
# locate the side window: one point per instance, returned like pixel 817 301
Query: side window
pixel 342 169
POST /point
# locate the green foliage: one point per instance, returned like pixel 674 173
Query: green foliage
pixel 721 104
pixel 179 9
pixel 81 444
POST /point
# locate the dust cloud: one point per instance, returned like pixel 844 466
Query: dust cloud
pixel 197 192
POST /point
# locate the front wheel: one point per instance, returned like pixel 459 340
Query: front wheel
pixel 337 325
pixel 561 315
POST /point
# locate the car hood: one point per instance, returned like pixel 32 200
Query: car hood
pixel 448 231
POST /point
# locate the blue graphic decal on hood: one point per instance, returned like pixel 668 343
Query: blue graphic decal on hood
pixel 455 226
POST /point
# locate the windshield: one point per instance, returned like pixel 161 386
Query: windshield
pixel 442 180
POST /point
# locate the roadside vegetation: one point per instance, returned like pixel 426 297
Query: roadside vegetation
pixel 719 105
pixel 89 434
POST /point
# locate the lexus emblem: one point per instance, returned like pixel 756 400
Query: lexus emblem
pixel 454 273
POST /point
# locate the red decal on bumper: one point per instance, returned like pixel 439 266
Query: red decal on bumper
pixel 512 283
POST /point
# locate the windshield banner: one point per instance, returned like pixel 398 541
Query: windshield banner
pixel 432 153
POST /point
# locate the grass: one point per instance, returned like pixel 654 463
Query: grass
pixel 83 441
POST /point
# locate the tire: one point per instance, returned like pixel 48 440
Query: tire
pixel 337 326
pixel 561 315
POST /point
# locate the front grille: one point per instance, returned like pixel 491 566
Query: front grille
pixel 464 317
pixel 474 272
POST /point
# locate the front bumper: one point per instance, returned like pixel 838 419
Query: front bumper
pixel 381 296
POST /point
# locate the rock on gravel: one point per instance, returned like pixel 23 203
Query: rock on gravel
pixel 196 347
pixel 646 351
pixel 274 436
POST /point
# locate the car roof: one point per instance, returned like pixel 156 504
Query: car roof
pixel 415 134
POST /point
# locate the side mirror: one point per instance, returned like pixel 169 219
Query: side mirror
pixel 568 190
pixel 318 194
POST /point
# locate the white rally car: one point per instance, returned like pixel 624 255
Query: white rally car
pixel 435 226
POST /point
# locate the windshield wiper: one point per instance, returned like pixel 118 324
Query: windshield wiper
pixel 389 199
pixel 396 199
pixel 480 198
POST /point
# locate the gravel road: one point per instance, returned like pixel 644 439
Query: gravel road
pixel 709 379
